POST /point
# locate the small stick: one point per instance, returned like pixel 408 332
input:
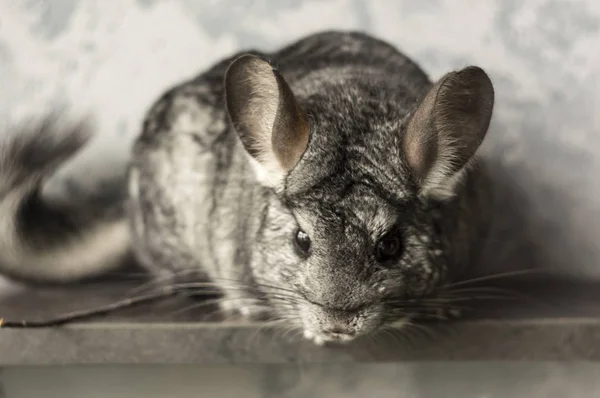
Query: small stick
pixel 87 314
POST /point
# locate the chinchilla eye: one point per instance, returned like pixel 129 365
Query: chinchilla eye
pixel 389 248
pixel 302 242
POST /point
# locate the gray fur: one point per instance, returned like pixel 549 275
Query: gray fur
pixel 202 200
pixel 211 201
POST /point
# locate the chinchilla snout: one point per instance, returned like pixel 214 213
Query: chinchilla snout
pixel 322 324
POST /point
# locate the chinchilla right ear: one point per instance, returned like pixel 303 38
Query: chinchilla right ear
pixel 447 128
pixel 267 118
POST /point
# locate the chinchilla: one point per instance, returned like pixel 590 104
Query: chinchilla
pixel 328 184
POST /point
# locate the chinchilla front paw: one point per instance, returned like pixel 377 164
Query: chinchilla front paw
pixel 314 338
pixel 248 308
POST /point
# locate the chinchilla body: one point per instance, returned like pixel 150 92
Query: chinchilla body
pixel 328 183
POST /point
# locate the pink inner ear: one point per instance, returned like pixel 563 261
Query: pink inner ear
pixel 420 141
pixel 291 129
pixel 266 116
pixel 421 152
pixel 450 123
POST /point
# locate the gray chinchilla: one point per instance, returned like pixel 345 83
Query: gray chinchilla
pixel 328 184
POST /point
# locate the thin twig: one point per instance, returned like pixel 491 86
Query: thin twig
pixel 90 313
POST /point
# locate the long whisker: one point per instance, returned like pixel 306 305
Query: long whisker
pixel 285 297
pixel 480 290
pixel 274 324
pixel 259 282
pixel 402 335
pixel 161 281
pixel 208 303
pixel 508 294
pixel 495 277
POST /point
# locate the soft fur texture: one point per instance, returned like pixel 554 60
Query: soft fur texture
pixel 338 134
pixel 47 241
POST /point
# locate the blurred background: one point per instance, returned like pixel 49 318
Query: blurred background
pixel 111 59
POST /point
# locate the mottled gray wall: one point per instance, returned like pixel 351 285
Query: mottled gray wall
pixel 112 58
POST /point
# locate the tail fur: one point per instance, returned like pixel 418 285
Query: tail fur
pixel 43 240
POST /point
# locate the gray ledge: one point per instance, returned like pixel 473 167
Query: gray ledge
pixel 163 334
pixel 151 343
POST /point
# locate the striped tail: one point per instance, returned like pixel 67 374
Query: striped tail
pixel 42 240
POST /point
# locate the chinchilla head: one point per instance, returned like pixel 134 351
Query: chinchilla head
pixel 348 237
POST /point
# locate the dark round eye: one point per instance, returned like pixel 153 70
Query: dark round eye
pixel 388 248
pixel 302 241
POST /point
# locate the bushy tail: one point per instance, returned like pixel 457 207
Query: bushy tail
pixel 43 240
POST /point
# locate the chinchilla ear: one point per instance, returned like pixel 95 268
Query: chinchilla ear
pixel 267 118
pixel 447 128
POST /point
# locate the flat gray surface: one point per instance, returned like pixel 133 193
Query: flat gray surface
pixel 152 343
pixel 113 60
pixel 551 323
pixel 347 380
